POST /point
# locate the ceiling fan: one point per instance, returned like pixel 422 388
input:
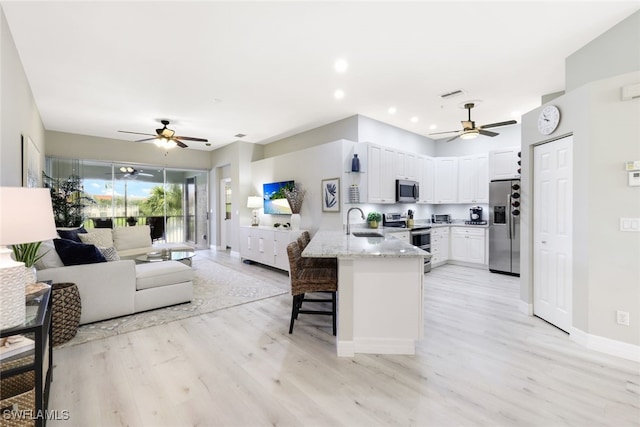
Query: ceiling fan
pixel 469 129
pixel 129 172
pixel 166 138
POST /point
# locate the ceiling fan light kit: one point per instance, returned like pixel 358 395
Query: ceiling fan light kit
pixel 470 134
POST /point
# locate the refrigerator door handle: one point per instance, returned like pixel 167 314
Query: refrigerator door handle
pixel 508 215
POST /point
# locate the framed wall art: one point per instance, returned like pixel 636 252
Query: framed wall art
pixel 331 195
pixel 31 164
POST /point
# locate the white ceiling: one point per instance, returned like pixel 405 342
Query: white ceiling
pixel 265 69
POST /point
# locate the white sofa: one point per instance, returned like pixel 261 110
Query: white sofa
pixel 118 288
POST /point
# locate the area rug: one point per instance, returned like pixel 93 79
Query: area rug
pixel 215 287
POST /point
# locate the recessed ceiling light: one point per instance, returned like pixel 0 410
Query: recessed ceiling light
pixel 341 66
pixel 392 110
pixel 432 127
pixel 414 119
pixel 338 94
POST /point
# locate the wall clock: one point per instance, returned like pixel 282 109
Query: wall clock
pixel 548 119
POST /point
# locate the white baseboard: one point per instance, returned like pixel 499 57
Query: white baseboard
pixel 234 254
pixel 524 308
pixel 606 345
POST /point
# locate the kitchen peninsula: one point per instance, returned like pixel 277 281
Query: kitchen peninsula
pixel 380 291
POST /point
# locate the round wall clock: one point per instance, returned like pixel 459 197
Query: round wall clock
pixel 548 119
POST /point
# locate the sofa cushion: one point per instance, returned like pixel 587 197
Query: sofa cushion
pixel 71 233
pixel 127 238
pixel 50 257
pixel 161 273
pixel 110 254
pixel 73 253
pixel 100 237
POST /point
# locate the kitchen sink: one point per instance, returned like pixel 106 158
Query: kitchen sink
pixel 366 234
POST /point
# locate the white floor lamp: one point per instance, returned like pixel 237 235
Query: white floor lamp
pixel 26 216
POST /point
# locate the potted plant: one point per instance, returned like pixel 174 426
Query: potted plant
pixel 28 254
pixel 373 219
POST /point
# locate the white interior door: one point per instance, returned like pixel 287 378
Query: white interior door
pixel 552 234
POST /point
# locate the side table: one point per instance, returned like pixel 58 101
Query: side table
pixel 39 360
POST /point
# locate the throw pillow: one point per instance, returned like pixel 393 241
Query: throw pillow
pixel 72 253
pixel 100 237
pixel 50 258
pixel 71 233
pixel 110 254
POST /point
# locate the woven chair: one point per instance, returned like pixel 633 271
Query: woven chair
pixel 310 279
pixel 303 241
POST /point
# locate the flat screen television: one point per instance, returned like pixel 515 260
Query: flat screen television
pixel 275 201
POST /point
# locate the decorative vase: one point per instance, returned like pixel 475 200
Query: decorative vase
pixel 295 221
pixel 355 164
pixel 30 275
pixel 373 224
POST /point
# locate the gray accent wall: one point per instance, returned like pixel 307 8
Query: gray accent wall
pixel 19 113
pixel 615 52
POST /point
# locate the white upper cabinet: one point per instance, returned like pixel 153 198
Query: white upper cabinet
pixel 503 164
pixel 446 180
pixel 382 174
pixel 405 165
pixel 426 173
pixel 473 184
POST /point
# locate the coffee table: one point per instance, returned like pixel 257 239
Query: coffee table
pixel 182 256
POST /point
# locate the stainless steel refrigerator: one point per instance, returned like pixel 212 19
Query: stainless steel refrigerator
pixel 504 226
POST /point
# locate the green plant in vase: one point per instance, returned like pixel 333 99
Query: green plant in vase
pixel 28 254
pixel 374 218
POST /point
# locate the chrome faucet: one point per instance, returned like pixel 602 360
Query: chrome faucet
pixel 348 212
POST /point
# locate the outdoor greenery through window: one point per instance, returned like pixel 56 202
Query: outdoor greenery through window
pixel 172 202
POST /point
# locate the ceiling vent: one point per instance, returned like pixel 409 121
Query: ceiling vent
pixel 240 135
pixel 452 94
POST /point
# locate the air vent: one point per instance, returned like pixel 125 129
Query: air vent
pixel 452 94
pixel 240 135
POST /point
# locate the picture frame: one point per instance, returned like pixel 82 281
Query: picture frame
pixel 330 193
pixel 31 164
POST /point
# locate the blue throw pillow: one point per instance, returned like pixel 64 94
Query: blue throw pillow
pixel 72 234
pixel 72 253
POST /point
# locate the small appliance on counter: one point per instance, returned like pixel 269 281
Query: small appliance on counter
pixel 440 219
pixel 475 215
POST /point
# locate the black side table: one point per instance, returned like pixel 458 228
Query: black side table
pixel 39 360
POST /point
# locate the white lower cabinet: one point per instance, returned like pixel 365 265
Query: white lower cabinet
pixel 267 245
pixel 468 244
pixel 439 245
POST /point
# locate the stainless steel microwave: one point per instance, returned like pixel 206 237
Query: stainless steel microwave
pixel 407 191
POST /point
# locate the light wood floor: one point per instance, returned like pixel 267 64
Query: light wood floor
pixel 481 363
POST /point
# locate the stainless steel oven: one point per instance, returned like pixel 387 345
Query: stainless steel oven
pixel 421 237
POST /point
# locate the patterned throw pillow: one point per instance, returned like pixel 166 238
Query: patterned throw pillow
pixel 100 237
pixel 110 253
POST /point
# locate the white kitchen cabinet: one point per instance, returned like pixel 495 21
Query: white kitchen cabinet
pixel 468 244
pixel 446 180
pixel 266 245
pixel 503 164
pixel 426 171
pixel 473 179
pixel 405 235
pixel 405 165
pixel 439 245
pixel 381 176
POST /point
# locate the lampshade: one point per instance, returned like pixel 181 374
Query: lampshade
pixel 254 202
pixel 26 215
pixel 165 143
pixel 470 134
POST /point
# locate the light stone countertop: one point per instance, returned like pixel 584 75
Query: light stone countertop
pixel 336 244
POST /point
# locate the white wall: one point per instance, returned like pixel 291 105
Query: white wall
pixel 606 261
pixel 19 114
pixel 380 133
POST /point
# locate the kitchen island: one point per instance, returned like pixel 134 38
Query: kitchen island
pixel 380 291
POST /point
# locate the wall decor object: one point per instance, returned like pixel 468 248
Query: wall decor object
pixel 31 164
pixel 331 195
